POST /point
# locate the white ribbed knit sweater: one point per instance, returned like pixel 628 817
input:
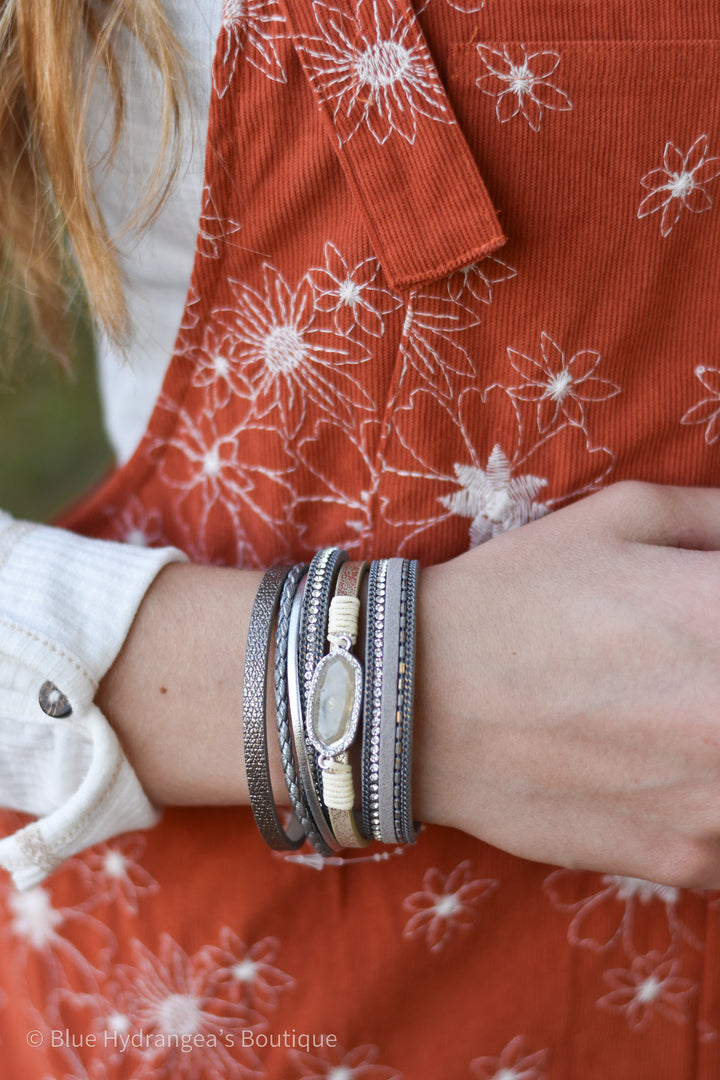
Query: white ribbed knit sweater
pixel 67 603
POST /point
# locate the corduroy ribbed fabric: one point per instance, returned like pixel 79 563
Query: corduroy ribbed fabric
pixel 314 399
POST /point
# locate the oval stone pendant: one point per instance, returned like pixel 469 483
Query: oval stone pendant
pixel 334 700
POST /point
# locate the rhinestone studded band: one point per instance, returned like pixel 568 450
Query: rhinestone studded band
pixel 375 621
pixel 389 698
pixel 405 827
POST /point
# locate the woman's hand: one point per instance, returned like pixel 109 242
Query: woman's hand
pixel 568 697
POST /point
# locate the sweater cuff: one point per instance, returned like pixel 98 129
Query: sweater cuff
pixel 108 801
pixel 66 606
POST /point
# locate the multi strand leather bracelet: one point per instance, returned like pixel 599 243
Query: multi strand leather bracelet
pixel 344 721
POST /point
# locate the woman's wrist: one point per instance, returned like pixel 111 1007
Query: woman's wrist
pixel 174 693
pixel 438 699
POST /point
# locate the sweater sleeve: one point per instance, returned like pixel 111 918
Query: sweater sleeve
pixel 66 606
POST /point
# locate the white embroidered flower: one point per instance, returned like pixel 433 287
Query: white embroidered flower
pixel 650 987
pixel 252 28
pixel 608 910
pixel 137 525
pixel 679 183
pixel 446 904
pixel 55 942
pixel 477 279
pixel 520 83
pixel 207 460
pixel 98 1023
pixel 227 472
pixel 559 385
pixel 638 889
pixel 370 64
pixel 496 486
pixel 249 972
pixel 286 357
pixel 113 874
pixel 707 411
pixel 513 1064
pixel 34 920
pixel 352 295
pixel 175 1003
pixel 336 1063
pixel 495 499
pixel 215 370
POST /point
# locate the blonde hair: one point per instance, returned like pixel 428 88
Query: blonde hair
pixel 50 54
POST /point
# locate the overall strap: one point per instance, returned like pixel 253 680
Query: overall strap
pixel 424 204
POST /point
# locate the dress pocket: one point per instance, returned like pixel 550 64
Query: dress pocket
pixel 603 158
pixel 573 125
pixel 576 355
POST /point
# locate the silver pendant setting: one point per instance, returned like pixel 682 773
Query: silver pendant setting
pixel 334 701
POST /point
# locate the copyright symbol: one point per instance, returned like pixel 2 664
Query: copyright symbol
pixel 34 1038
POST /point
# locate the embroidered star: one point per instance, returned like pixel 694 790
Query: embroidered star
pixel 494 499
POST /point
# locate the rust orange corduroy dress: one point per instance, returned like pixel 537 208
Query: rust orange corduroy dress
pixel 364 361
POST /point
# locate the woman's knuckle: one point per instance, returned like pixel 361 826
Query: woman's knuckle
pixel 695 864
pixel 651 510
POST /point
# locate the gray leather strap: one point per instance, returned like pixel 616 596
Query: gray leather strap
pixel 282 639
pixel 254 715
pixel 391 646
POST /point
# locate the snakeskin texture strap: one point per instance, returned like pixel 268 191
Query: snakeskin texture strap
pixel 254 714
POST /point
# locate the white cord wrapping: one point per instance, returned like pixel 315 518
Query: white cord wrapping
pixel 343 619
pixel 338 787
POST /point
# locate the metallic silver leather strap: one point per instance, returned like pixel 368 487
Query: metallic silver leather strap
pixel 405 827
pixel 254 712
pixel 292 782
pixel 316 827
